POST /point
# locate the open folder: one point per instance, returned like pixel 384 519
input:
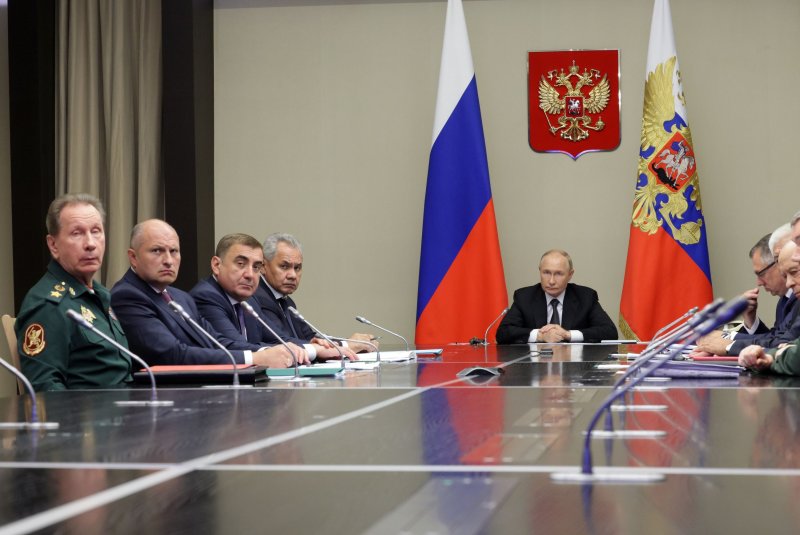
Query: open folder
pixel 203 374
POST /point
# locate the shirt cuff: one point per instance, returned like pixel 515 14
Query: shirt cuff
pixel 575 336
pixel 311 350
pixel 248 356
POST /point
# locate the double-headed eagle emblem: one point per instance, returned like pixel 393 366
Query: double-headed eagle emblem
pixel 573 107
pixel 668 184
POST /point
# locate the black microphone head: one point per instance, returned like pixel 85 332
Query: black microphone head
pixel 706 312
pixel 295 312
pixel 364 320
pixel 248 308
pixel 729 312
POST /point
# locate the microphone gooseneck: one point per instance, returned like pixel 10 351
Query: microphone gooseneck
pixel 708 319
pixel 365 321
pixel 80 320
pixel 174 305
pixel 489 328
pixel 252 312
pixel 322 334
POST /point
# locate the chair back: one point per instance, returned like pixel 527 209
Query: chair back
pixel 11 338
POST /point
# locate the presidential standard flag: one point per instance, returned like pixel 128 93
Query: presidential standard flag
pixel 461 283
pixel 667 270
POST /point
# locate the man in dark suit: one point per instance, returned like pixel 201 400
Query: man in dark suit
pixel 236 269
pixel 555 310
pixel 140 300
pixel 771 276
pixel 283 268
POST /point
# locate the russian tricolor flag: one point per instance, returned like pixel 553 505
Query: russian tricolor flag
pixel 461 283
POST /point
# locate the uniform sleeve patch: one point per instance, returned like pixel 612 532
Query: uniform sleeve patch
pixel 34 342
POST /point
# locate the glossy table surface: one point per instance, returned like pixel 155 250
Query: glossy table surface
pixel 411 449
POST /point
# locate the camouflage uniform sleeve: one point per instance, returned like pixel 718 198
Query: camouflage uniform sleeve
pixel 43 344
pixel 786 359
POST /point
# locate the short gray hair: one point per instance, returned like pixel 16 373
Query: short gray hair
pixel 780 236
pixel 271 244
pixel 559 252
pixel 764 250
pixel 53 219
pixel 795 219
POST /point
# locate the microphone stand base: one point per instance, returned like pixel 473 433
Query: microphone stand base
pixel 628 434
pixel 638 408
pixel 151 403
pixel 624 478
pixel 29 425
pixel 226 387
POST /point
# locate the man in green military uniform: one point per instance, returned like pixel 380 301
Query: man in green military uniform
pixel 55 352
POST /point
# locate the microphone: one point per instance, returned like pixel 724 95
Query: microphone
pixel 364 320
pixel 655 346
pixel 485 341
pixel 699 326
pixel 174 305
pixel 322 334
pixel 691 312
pixel 35 423
pixel 80 320
pixel 252 312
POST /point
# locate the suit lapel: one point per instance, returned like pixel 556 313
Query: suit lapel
pixel 539 307
pixel 570 309
pixel 184 325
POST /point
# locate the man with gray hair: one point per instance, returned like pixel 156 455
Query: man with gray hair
pixel 281 274
pixel 55 352
pixel 763 256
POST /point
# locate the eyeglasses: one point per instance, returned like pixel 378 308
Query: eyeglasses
pixel 766 268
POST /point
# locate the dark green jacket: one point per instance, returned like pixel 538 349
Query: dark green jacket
pixel 55 352
pixel 788 362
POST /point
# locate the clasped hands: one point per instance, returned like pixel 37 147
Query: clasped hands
pixel 552 333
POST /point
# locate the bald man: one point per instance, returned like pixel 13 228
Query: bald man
pixel 156 332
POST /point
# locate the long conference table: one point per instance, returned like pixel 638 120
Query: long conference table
pixel 412 448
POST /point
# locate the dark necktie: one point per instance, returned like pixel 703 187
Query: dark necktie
pixel 554 318
pixel 284 306
pixel 240 316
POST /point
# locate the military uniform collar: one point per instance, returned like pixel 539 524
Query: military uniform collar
pixel 68 282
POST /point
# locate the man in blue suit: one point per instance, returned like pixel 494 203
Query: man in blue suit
pixel 140 300
pixel 236 267
pixel 555 310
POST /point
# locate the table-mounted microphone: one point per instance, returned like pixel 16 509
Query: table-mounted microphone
pixel 154 401
pixel 174 305
pixel 249 309
pixel 365 321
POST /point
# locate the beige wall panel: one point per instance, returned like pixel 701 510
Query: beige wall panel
pixel 323 126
